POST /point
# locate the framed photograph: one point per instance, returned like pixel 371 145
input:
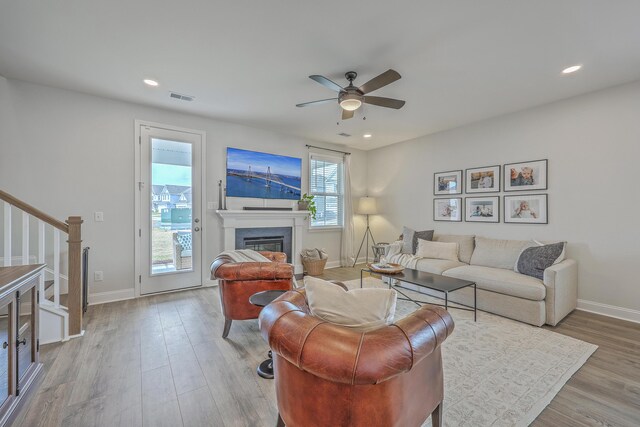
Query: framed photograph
pixel 482 180
pixel 447 209
pixel 447 183
pixel 526 209
pixel 482 209
pixel 525 176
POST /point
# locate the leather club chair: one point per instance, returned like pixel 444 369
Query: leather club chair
pixel 327 375
pixel 237 281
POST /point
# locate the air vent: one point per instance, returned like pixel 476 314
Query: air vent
pixel 181 97
pixel 346 135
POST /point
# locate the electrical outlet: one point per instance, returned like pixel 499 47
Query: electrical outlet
pixel 98 216
pixel 98 276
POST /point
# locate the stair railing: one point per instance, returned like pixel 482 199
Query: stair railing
pixel 72 227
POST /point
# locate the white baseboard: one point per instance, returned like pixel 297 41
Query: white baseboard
pixel 609 310
pixel 111 296
pixel 332 264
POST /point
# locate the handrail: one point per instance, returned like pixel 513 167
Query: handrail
pixel 34 212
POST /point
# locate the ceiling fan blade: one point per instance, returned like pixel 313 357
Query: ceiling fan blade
pixel 326 82
pixel 346 114
pixel 321 101
pixel 384 102
pixel 376 83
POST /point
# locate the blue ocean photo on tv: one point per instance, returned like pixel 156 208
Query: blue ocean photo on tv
pixel 262 175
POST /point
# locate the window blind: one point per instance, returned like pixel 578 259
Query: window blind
pixel 326 185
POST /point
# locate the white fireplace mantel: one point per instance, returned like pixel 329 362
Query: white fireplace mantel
pixel 232 219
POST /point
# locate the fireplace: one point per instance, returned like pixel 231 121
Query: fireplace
pixel 273 239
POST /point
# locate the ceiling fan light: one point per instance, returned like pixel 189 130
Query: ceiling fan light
pixel 350 102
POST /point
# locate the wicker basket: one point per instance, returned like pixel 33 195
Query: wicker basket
pixel 314 267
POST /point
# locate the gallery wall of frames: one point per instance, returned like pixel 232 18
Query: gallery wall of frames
pixel 482 187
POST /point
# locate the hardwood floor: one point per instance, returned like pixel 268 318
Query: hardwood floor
pixel 161 361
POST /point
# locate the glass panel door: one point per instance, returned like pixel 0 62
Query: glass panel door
pixel 25 342
pixel 5 348
pixel 170 210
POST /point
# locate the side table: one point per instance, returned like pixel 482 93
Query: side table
pixel 378 251
pixel 262 299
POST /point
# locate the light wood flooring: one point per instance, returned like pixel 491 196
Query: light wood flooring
pixel 161 361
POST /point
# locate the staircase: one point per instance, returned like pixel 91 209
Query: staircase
pixel 62 275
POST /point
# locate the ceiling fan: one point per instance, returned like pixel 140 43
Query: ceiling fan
pixel 351 98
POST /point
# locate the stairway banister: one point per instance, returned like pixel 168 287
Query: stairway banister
pixel 25 207
pixel 74 302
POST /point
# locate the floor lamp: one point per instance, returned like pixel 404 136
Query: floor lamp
pixel 366 206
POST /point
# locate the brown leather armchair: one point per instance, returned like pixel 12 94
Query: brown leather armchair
pixel 330 375
pixel 237 281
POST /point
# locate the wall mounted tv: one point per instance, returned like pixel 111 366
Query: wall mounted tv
pixel 262 175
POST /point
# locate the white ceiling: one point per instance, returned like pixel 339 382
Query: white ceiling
pixel 248 61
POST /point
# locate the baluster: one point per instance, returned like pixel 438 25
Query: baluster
pixel 7 234
pixel 41 254
pixel 25 238
pixel 56 267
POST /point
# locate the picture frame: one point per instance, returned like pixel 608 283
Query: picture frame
pixel 482 209
pixel 526 176
pixel 485 179
pixel 526 209
pixel 445 183
pixel 447 209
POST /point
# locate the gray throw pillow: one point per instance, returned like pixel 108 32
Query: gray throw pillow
pixel 535 260
pixel 410 239
pixel 407 240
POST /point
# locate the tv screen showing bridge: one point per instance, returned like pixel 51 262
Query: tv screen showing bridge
pixel 263 175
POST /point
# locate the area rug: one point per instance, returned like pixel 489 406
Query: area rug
pixel 497 371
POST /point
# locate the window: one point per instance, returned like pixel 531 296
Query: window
pixel 326 185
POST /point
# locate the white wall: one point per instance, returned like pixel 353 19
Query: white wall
pixel 593 146
pixel 73 154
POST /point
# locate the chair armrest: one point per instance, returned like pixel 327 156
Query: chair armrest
pixel 340 354
pixel 561 282
pixel 274 256
pixel 239 271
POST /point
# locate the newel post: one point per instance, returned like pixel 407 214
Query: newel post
pixel 74 302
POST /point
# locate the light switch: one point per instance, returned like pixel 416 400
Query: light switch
pixel 211 206
pixel 98 276
pixel 98 216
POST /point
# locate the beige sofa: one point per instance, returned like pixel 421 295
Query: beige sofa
pixel 490 263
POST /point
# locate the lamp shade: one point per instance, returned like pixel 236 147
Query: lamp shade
pixel 367 206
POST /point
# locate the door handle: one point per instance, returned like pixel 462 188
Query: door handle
pixel 196 220
pixel 196 229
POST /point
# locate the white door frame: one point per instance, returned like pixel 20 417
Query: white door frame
pixel 204 280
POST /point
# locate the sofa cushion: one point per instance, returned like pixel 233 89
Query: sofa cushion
pixel 506 282
pixel 535 260
pixel 436 266
pixel 465 244
pixel 438 250
pixel 498 253
pixel 361 309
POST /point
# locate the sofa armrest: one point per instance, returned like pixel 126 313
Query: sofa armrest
pixel 561 281
pixel 393 249
pixel 242 271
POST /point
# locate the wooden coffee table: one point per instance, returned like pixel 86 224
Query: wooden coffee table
pixel 435 282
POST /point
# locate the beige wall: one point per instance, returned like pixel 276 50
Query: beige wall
pixel 593 146
pixel 73 154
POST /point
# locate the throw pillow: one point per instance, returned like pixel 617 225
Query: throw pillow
pixel 535 260
pixel 407 240
pixel 438 250
pixel 466 243
pixel 562 256
pixel 424 235
pixel 498 253
pixel 363 309
pixel 410 239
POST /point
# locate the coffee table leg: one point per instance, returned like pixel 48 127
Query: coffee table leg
pixel 475 303
pixel 446 300
pixel 361 279
pixel 265 369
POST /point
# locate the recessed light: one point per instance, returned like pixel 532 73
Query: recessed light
pixel 571 69
pixel 150 82
pixel 367 135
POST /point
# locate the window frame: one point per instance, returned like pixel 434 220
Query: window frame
pixel 340 194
